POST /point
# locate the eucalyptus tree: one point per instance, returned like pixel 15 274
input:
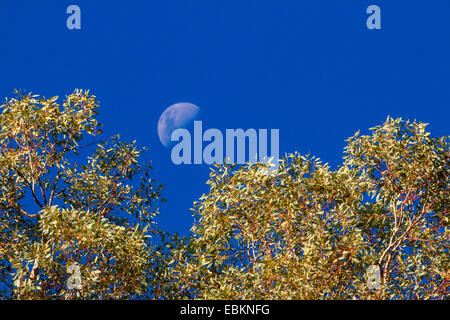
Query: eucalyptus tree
pixel 376 227
pixel 76 215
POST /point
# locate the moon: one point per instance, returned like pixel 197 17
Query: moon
pixel 178 115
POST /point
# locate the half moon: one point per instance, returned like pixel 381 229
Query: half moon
pixel 179 115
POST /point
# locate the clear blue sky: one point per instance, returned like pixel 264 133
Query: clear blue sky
pixel 309 68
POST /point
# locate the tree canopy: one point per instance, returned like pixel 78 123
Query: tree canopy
pixel 307 231
pixel 83 213
pixel 74 207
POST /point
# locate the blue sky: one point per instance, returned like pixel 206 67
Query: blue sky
pixel 309 68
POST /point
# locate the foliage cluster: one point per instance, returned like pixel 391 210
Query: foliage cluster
pixel 300 231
